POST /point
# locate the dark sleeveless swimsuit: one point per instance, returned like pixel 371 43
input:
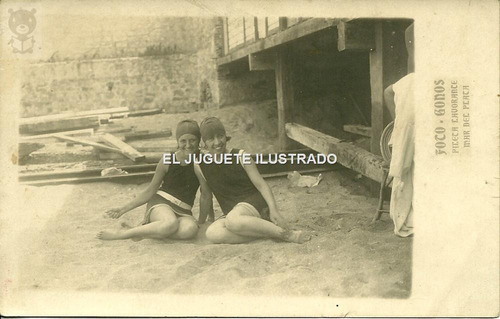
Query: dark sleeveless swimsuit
pixel 231 185
pixel 180 185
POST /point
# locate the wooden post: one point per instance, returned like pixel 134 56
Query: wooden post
pixel 263 61
pixel 244 32
pixel 284 94
pixel 256 28
pixel 226 36
pixel 377 89
pixel 283 23
pixel 355 36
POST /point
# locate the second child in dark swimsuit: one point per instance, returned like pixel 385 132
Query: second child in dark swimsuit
pixel 242 193
pixel 169 196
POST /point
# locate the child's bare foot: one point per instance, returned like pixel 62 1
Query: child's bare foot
pixel 108 235
pixel 114 235
pixel 296 236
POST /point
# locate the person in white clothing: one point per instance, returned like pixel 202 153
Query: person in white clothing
pixel 400 102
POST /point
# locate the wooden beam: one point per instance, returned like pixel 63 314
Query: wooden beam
pixel 70 173
pixel 261 61
pixel 25 148
pixel 84 142
pixel 58 125
pixel 44 118
pixel 297 31
pixel 111 178
pixel 355 36
pixel 87 131
pixel 377 89
pixel 348 155
pixel 124 148
pixel 256 28
pixel 145 135
pixel 88 179
pixel 359 129
pixel 136 113
pixel 284 94
pixel 225 36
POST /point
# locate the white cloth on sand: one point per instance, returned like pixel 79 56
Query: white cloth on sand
pixel 403 148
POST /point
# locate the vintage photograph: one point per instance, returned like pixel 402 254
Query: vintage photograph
pixel 216 155
pixel 100 112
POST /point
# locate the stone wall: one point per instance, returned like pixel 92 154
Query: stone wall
pixel 112 36
pixel 170 82
pixel 141 63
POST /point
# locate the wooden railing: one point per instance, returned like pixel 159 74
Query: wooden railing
pixel 242 31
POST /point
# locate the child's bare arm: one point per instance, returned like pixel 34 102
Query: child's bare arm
pixel 265 190
pixel 144 196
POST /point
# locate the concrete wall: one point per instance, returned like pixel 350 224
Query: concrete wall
pixel 137 62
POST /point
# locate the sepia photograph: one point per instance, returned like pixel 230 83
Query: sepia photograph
pixel 215 153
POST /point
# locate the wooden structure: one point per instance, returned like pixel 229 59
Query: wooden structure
pixel 266 44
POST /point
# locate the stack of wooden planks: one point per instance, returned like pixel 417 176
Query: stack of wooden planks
pixel 80 128
pixel 146 171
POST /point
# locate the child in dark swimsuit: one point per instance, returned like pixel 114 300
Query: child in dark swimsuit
pixel 169 196
pixel 242 193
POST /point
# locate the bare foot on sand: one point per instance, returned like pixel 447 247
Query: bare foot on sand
pixel 296 236
pixel 108 235
pixel 114 235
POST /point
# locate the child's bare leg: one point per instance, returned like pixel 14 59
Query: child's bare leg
pixel 163 223
pixel 188 228
pixel 245 222
pixel 217 233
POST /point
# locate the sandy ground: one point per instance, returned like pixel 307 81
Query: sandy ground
pixel 348 256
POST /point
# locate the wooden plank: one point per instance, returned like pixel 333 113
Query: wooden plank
pixel 359 129
pixel 93 174
pixel 348 155
pixel 297 31
pixel 87 131
pixel 160 148
pixel 25 148
pixel 44 118
pixel 84 142
pixel 145 135
pixel 112 178
pixel 105 156
pixel 114 130
pixel 70 173
pixel 355 36
pixel 88 179
pixel 52 126
pixel 136 113
pixel 284 95
pixel 261 61
pixel 377 89
pixel 125 149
